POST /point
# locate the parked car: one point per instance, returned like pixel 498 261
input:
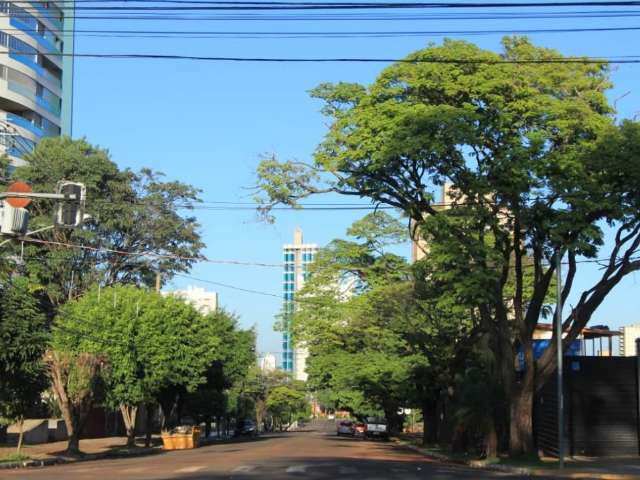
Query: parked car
pixel 245 428
pixel 360 429
pixel 345 427
pixel 377 428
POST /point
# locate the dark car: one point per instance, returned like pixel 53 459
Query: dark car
pixel 246 428
pixel 377 428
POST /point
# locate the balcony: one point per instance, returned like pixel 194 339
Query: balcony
pixel 25 123
pixel 40 71
pixel 42 40
pixel 46 13
pixel 51 107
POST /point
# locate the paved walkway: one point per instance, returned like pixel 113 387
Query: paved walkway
pixel 55 449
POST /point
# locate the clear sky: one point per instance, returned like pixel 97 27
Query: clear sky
pixel 207 123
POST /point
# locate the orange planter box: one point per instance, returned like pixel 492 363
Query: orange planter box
pixel 181 441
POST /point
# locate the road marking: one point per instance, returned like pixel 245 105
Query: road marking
pixel 399 470
pixel 297 469
pixel 192 469
pixel 244 469
pixel 347 470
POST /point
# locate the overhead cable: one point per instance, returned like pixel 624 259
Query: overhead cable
pixel 197 34
pixel 621 59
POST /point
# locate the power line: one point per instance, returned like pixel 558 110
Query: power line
pixel 186 34
pixel 232 287
pixel 145 254
pixel 258 6
pixel 346 16
pixel 621 59
pixel 426 4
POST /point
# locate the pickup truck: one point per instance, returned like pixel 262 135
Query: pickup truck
pixel 377 428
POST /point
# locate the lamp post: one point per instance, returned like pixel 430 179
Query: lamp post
pixel 560 392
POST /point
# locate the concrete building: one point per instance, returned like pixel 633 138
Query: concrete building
pixel 36 82
pixel 297 258
pixel 203 300
pixel 267 362
pixel 628 336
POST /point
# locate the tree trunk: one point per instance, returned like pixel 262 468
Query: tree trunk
pixel 71 423
pixel 430 421
pixel 20 434
pixel 148 424
pixel 207 427
pixel 521 409
pixel 491 441
pixel 73 443
pixel 129 416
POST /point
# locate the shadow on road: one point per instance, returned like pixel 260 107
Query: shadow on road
pixel 330 468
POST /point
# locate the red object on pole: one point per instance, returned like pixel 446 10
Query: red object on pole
pixel 19 202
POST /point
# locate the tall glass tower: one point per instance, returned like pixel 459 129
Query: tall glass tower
pixel 297 258
pixel 35 88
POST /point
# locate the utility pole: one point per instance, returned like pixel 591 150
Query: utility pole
pixel 560 392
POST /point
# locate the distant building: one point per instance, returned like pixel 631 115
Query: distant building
pixel 297 258
pixel 203 300
pixel 628 337
pixel 267 362
pixel 419 246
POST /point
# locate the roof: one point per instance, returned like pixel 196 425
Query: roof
pixel 594 332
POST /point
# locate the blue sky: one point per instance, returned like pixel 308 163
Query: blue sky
pixel 208 124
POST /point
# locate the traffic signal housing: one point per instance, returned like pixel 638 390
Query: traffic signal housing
pixel 70 210
pixel 14 221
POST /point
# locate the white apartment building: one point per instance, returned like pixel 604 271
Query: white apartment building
pixel 267 362
pixel 628 336
pixel 203 300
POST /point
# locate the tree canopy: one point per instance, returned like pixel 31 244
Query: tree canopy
pixel 533 165
pixel 149 341
pixel 130 213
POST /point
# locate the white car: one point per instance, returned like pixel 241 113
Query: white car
pixel 346 427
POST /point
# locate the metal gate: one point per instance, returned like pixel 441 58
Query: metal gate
pixel 601 402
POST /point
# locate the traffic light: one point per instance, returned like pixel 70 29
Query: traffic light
pixel 70 210
pixel 14 220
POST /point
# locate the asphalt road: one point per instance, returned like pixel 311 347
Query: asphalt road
pixel 303 455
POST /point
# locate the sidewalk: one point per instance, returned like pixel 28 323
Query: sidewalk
pixel 605 468
pixel 92 448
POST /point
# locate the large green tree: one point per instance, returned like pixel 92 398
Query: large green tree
pixel 148 341
pixel 233 360
pixel 376 336
pixel 23 340
pixel 137 226
pixel 535 164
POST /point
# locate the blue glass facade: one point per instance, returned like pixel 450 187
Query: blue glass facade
pixel 31 75
pixel 296 261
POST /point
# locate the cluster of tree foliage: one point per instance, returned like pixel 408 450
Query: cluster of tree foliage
pixel 147 344
pixel 379 337
pixel 273 398
pixel 76 313
pixel 129 212
pixel 538 168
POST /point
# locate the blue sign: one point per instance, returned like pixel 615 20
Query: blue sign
pixel 539 346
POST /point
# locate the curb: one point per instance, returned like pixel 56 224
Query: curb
pixel 521 471
pixel 86 458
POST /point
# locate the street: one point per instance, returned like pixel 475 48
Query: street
pixel 313 455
